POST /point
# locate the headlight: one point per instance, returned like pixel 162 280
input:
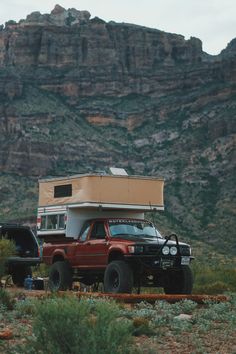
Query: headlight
pixel 165 250
pixel 131 249
pixel 173 250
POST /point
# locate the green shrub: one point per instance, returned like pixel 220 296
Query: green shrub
pixel 142 327
pixel 66 325
pixel 179 326
pixel 216 314
pixel 7 249
pixel 41 271
pixel 218 287
pixel 25 308
pixel 216 279
pixel 158 315
pixel 184 306
pixel 6 299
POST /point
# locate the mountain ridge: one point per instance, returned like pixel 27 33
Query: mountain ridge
pixel 85 94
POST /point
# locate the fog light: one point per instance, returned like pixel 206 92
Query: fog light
pixel 165 250
pixel 173 250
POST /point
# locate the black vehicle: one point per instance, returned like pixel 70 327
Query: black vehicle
pixel 27 251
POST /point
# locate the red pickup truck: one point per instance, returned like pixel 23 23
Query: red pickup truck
pixel 121 253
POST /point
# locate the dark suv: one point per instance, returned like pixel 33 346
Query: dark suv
pixel 27 251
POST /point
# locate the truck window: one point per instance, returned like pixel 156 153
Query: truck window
pixel 84 232
pixel 133 228
pixel 98 231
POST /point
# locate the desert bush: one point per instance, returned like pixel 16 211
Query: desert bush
pixel 41 271
pixel 6 300
pixel 215 279
pixel 7 249
pixel 142 326
pixel 179 326
pixel 217 312
pixel 143 310
pixel 166 313
pixel 66 325
pixel 184 306
pixel 217 287
pixel 25 308
pixel 216 316
pixel 157 315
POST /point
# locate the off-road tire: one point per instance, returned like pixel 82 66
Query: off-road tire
pixel 179 281
pixel 19 274
pixel 118 278
pixel 60 276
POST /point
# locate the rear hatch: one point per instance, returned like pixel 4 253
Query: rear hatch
pixel 27 249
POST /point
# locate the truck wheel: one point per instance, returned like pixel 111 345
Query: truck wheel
pixel 118 278
pixel 19 274
pixel 179 282
pixel 60 276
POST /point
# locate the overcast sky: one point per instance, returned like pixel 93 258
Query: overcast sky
pixel 213 21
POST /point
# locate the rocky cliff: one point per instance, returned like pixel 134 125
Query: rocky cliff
pixel 79 94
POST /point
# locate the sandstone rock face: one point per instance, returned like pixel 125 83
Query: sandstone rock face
pixel 79 94
pixel 58 17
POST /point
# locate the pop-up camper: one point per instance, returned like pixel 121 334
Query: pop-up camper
pixel 65 203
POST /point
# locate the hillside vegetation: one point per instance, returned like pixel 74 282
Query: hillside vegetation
pixel 80 96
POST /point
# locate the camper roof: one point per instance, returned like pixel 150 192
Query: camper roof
pixel 93 190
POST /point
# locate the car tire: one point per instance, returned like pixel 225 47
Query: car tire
pixel 19 274
pixel 179 281
pixel 60 276
pixel 118 278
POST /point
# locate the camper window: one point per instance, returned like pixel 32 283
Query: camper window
pixel 43 222
pixel 53 222
pixel 61 221
pixel 63 191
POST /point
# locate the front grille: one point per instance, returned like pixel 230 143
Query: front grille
pixel 154 249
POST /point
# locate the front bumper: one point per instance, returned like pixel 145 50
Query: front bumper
pixel 158 262
pixel 28 261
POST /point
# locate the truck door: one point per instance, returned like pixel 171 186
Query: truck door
pixel 93 251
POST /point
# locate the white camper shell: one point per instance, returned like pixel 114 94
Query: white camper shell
pixel 65 203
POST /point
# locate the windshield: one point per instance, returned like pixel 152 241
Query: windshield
pixel 133 228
